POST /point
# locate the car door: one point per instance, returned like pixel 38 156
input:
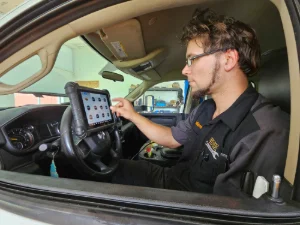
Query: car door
pixel 65 201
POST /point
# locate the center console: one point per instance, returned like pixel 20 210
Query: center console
pixel 159 154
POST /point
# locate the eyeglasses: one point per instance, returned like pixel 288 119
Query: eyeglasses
pixel 190 60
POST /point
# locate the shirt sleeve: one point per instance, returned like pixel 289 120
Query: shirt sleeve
pixel 180 131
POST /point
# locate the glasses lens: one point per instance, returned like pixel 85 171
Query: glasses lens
pixel 189 62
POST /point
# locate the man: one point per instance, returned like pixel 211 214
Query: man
pixel 235 132
pixel 180 92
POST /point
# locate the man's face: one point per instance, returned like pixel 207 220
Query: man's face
pixel 203 75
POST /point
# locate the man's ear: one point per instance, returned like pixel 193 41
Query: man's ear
pixel 231 59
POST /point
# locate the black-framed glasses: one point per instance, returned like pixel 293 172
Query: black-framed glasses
pixel 190 60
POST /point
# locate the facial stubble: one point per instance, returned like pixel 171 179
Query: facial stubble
pixel 207 90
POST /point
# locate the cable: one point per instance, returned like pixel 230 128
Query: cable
pixel 142 148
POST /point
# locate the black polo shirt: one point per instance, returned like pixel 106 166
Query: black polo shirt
pixel 245 130
pixel 215 130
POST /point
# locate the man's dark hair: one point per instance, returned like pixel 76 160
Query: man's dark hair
pixel 222 32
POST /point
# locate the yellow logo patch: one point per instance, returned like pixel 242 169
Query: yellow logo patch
pixel 214 145
pixel 198 125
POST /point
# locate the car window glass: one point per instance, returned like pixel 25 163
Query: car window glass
pixel 169 97
pixel 76 62
pixel 23 71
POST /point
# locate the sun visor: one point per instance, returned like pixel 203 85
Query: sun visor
pixel 124 40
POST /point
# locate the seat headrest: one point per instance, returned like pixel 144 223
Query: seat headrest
pixel 274 79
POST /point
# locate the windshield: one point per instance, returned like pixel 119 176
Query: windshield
pixel 76 62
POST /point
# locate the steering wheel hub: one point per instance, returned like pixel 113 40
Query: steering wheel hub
pixel 99 144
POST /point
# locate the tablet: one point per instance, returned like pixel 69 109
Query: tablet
pixel 96 108
pixel 90 109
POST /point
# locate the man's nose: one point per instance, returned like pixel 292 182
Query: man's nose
pixel 186 70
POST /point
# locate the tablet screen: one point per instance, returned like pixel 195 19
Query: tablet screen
pixel 96 108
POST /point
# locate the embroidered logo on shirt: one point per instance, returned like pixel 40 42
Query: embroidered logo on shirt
pixel 213 144
pixel 198 125
pixel 212 147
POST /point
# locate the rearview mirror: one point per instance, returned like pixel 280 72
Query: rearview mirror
pixel 112 76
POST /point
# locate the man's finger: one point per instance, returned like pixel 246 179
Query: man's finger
pixel 118 99
pixel 112 108
pixel 120 104
pixel 116 110
pixel 117 106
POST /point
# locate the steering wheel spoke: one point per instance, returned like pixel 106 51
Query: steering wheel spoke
pixel 100 165
pixel 114 154
pixel 97 161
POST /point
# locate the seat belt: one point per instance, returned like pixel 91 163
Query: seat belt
pixel 289 165
pixel 227 153
pixel 260 106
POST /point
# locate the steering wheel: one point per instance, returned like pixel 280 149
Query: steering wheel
pixel 87 154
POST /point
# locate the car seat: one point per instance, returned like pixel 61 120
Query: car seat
pixel 274 84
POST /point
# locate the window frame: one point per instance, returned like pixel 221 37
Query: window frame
pixel 26 195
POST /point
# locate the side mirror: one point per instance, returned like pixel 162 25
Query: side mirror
pixel 149 100
pixel 112 76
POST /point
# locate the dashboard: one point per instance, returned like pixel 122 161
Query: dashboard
pixel 26 135
pixel 25 128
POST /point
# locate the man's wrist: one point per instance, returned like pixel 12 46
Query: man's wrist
pixel 134 117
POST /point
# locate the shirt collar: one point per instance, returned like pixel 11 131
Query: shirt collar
pixel 235 114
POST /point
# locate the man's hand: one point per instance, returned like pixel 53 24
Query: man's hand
pixel 124 108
